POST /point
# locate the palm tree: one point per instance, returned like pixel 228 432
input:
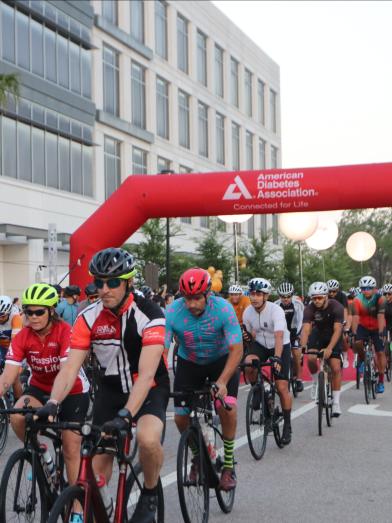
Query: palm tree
pixel 9 83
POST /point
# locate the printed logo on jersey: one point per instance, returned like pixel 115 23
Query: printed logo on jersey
pixel 105 330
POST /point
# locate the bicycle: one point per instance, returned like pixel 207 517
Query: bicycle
pixel 324 397
pixel 370 373
pixel 86 491
pixel 293 385
pixel 262 415
pixel 198 467
pixel 388 355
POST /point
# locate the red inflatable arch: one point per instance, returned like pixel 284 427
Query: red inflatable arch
pixel 244 192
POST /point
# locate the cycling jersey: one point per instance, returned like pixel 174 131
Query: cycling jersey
pixel 206 338
pixel 294 312
pixel 44 356
pixel 367 310
pixel 117 340
pixel 324 319
pixel 264 324
pixel 341 298
pixel 67 311
pixel 240 307
pixel 8 330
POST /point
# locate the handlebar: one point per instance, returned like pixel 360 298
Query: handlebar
pixel 203 392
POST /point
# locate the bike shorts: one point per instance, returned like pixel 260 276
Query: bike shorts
pixel 364 334
pixel 319 340
pixel 109 400
pixel 73 408
pixel 191 376
pixel 264 354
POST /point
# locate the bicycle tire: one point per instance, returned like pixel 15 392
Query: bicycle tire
pixel 321 400
pixel 4 426
pixel 200 488
pixel 388 370
pixel 328 404
pixel 18 459
pixel 276 420
pixel 225 498
pixel 367 382
pixel 62 508
pixel 357 376
pixel 257 451
pixel 293 380
pixel 373 381
pixel 131 498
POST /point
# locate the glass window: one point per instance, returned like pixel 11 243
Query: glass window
pixel 220 138
pixel 235 146
pixel 182 44
pixel 50 12
pixel 263 225
pixel 161 28
pixel 251 227
pixel 274 157
pixel 52 175
pixel 63 61
pixel 205 222
pixel 23 40
pixel 24 108
pixel 249 150
pixel 162 108
pixel 201 58
pixel 112 165
pixel 50 55
pixel 260 102
pixel 186 219
pixel 139 161
pixel 76 168
pixel 65 164
pixel 51 119
pixel 87 152
pixel 38 114
pixel 234 82
pixel 184 170
pixel 64 124
pixel 24 151
pixel 8 32
pixel 137 20
pixel 262 162
pixel 38 149
pixel 74 54
pixel 248 92
pixel 203 129
pixel 63 20
pixel 110 81
pixel 273 97
pixel 86 72
pixel 183 119
pixel 275 231
pixel 109 11
pixel 9 146
pixel 37 47
pixel 218 71
pixel 163 164
pixel 138 98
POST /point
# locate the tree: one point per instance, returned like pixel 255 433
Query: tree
pixel 260 260
pixel 9 83
pixel 211 251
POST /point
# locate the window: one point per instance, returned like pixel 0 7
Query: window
pixel 24 152
pixel 184 170
pixel 76 165
pixel 163 164
pixel 51 161
pixel 8 32
pixel 251 227
pixel 87 166
pixel 205 222
pixel 262 163
pixel 263 225
pixel 275 231
pixel 203 129
pixel 50 55
pixel 182 44
pixel 74 55
pixel 183 119
pixel 248 92
pixel 137 20
pixel 186 219
pixel 273 97
pixel 220 138
pixel 110 81
pixel 109 11
pixel 201 58
pixel 86 73
pixel 112 160
pixel 162 108
pixel 23 42
pixel 38 149
pixel 260 102
pixel 63 61
pixel 249 150
pixel 139 161
pixel 235 146
pixel 274 157
pixel 138 95
pixel 219 71
pixel 161 28
pixel 234 82
pixel 9 147
pixel 65 164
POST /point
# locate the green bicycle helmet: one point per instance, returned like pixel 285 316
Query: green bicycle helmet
pixel 40 294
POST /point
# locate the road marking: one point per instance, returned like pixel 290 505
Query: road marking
pixel 369 410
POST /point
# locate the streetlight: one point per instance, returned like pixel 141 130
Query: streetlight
pixel 168 275
pixel 235 219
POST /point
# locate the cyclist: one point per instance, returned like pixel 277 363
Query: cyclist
pixel 293 309
pixel 126 334
pixel 10 325
pixel 335 293
pixel 369 322
pixel 266 323
pixel 44 343
pixel 210 346
pixel 68 307
pixel 238 301
pixel 322 330
pixel 91 293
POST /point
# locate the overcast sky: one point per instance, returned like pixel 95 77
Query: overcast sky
pixel 335 62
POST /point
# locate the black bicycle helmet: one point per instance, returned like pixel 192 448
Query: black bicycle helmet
pixel 147 292
pixel 71 290
pixel 113 262
pixel 91 289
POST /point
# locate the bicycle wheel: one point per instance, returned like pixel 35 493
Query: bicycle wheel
pixel 388 370
pixel 256 430
pixel 357 375
pixel 17 500
pixel 4 425
pixel 225 498
pixel 193 490
pixel 66 504
pixel 328 404
pixel 373 381
pixel 293 379
pixel 320 401
pixel 132 493
pixel 276 428
pixel 367 382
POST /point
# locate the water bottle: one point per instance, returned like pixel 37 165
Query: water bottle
pixel 209 438
pixel 105 494
pixel 48 460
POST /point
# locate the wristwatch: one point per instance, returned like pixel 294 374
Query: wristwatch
pixel 125 414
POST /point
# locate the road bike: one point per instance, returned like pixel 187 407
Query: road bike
pixel 370 373
pixel 324 396
pixel 388 356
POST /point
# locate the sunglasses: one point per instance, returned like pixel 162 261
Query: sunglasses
pixel 256 293
pixel 112 283
pixel 318 298
pixel 366 288
pixel 38 312
pixel 286 296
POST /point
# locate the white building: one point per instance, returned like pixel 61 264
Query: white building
pixel 176 85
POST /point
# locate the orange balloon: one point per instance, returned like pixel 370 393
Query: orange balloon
pixel 211 270
pixel 219 274
pixel 216 285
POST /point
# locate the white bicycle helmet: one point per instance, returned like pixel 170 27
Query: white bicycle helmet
pixel 260 284
pixel 333 285
pixel 367 281
pixel 285 289
pixel 318 288
pixel 5 304
pixel 387 288
pixel 235 289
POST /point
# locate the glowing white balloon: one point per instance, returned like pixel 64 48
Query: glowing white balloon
pixel 298 226
pixel 235 218
pixel 361 246
pixel 325 236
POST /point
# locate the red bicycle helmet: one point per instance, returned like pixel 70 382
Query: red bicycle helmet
pixel 195 281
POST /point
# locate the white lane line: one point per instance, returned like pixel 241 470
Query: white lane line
pixel 171 478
